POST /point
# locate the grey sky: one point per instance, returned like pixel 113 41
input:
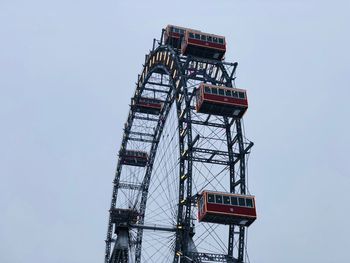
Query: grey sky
pixel 67 72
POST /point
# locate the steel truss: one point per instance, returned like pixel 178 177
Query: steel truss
pixel 205 143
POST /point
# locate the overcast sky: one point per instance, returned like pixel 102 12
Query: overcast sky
pixel 68 70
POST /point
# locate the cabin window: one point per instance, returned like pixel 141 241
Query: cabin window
pixel 222 92
pixel 203 37
pixel 241 201
pixel 227 200
pixel 241 95
pixel 211 198
pixel 214 90
pixel 198 36
pixel 201 204
pixel 210 39
pixel 249 202
pixel 215 39
pixel 228 93
pixel 182 31
pixel 206 89
pixel 218 199
pixel 221 40
pixel 191 35
pixel 234 200
pixel 235 94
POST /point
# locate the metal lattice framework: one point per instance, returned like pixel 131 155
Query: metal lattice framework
pixel 188 152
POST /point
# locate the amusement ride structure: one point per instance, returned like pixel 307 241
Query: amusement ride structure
pixel 180 189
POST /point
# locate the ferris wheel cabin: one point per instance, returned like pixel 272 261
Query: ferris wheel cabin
pixel 173 35
pixel 134 158
pixel 226 208
pixel 121 217
pixel 199 44
pixel 147 105
pixel 219 100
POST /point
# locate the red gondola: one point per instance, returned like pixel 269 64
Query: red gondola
pixel 122 215
pixel 134 158
pixel 219 100
pixel 203 45
pixel 226 208
pixel 147 105
pixel 173 35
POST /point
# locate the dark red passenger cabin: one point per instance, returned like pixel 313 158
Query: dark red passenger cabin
pixel 203 45
pixel 147 105
pixel 173 35
pixel 121 216
pixel 220 100
pixel 134 158
pixel 226 208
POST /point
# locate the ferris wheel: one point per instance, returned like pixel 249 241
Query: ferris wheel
pixel 180 191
